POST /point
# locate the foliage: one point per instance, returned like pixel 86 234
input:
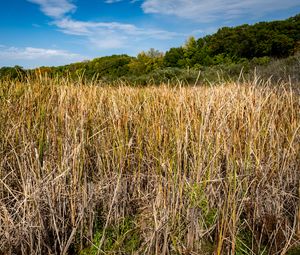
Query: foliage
pixel 245 46
pixel 275 39
pixel 122 238
pixel 9 73
pixel 146 62
pixel 294 251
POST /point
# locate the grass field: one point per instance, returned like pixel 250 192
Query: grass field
pixel 158 170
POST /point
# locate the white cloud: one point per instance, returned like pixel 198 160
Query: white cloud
pixel 55 8
pixel 30 53
pixel 101 35
pixel 76 27
pixel 207 11
pixel 111 35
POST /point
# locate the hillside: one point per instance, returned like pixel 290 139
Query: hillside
pixel 230 48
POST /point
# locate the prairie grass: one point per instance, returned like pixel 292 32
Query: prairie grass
pixel 86 169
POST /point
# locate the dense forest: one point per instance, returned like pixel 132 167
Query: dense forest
pixel 238 47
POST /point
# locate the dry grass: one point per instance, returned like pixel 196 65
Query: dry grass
pixel 197 170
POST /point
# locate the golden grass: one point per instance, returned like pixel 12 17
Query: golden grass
pixel 200 170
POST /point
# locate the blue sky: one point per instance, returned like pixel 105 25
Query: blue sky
pixel 55 32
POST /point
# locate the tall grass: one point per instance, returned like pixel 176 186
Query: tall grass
pixel 159 170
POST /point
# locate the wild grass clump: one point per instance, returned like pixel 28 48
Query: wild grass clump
pixel 196 170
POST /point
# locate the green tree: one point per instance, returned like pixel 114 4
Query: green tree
pixel 146 62
pixel 190 49
pixel 174 58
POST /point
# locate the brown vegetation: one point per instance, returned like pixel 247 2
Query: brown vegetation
pixel 202 170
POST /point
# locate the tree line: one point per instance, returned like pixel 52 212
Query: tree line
pixel 255 44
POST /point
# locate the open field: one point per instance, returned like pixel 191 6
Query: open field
pixel 158 170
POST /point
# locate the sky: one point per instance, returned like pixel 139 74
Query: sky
pixel 56 32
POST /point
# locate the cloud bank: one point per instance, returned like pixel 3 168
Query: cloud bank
pixel 31 57
pixel 55 8
pixel 30 53
pixel 101 35
pixel 213 10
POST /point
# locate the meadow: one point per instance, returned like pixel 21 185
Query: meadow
pixel 89 169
